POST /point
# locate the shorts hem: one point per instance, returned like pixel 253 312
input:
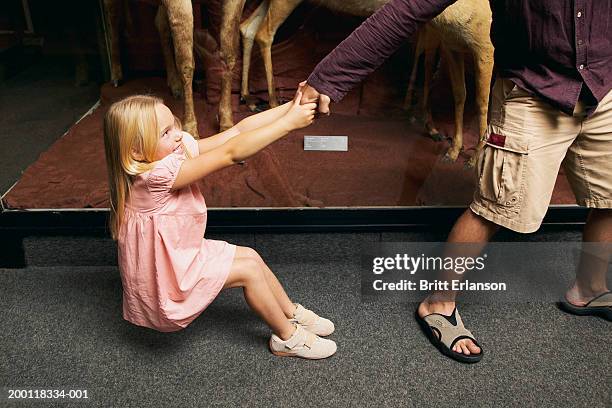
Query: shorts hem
pixel 603 204
pixel 504 221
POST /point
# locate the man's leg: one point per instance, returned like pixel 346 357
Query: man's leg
pixel 469 228
pixel 527 140
pixel 589 171
pixel 593 267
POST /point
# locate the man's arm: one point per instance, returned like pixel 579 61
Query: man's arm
pixel 371 44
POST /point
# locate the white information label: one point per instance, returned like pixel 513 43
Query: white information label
pixel 326 143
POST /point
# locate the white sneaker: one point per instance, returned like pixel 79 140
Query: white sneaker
pixel 302 344
pixel 311 321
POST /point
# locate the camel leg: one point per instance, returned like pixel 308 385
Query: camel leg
pixel 278 12
pixel 232 12
pixel 112 14
pixel 483 65
pixel 457 76
pixel 165 36
pixel 248 29
pixel 418 51
pixel 430 66
pixel 180 18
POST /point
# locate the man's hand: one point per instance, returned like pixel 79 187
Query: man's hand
pixel 309 94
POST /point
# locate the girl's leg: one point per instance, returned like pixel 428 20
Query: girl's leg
pixel 275 286
pixel 248 274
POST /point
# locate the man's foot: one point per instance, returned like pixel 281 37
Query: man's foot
pixel 588 302
pixel 463 346
pixel 577 296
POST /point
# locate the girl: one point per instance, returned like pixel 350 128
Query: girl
pixel 169 271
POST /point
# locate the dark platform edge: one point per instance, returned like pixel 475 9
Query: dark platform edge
pixel 15 225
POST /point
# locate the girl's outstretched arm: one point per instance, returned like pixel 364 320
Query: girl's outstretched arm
pixel 263 118
pixel 245 144
pixel 208 143
pixel 266 117
pixel 245 125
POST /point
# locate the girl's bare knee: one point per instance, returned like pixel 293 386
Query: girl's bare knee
pixel 247 252
pixel 252 271
pixel 244 271
pixel 253 254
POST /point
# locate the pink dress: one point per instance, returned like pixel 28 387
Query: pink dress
pixel 169 271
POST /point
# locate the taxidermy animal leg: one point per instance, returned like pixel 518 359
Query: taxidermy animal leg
pixel 232 12
pixel 418 51
pixel 112 13
pixel 248 29
pixel 278 12
pixel 457 75
pixel 483 64
pixel 427 43
pixel 464 28
pixel 165 36
pixel 180 18
pixel 430 67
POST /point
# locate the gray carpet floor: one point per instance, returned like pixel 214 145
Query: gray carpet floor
pixel 63 328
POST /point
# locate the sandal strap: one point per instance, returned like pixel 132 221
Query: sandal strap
pixel 603 300
pixel 448 332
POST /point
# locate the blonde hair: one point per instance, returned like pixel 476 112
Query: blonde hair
pixel 130 125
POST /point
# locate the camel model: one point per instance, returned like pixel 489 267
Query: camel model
pixel 261 26
pixel 427 45
pixel 461 29
pixel 174 22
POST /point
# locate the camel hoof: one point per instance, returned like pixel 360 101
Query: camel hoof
pixel 177 94
pixel 224 126
pixel 408 108
pixel 116 83
pixel 254 103
pixel 259 107
pixel 437 136
pixel 449 157
pixel 224 120
pixel 276 102
pixel 470 164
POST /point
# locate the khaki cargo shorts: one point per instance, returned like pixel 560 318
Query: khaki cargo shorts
pixel 527 142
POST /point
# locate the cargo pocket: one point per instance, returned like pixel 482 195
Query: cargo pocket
pixel 502 170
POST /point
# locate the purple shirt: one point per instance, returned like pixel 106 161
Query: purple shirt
pixel 551 48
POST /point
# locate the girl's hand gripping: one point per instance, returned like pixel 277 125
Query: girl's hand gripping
pixel 299 116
